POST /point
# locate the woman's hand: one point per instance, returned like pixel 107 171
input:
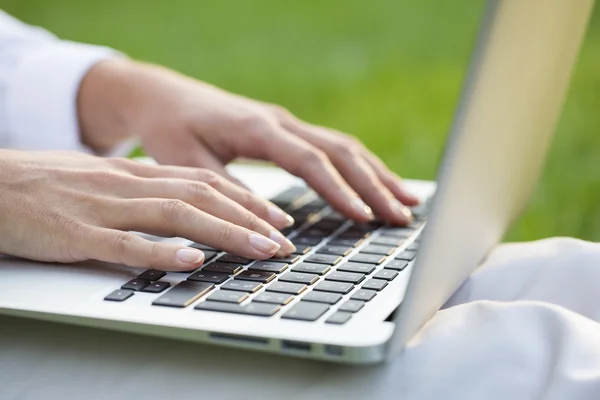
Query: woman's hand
pixel 182 121
pixel 67 207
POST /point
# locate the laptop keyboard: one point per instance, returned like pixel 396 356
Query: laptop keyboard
pixel 337 264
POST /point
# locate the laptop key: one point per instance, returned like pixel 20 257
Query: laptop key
pixel 339 318
pixel 364 295
pixel 223 267
pixel 156 287
pixel 288 260
pixel 311 241
pixel 375 284
pixel 207 276
pixel 136 284
pixel 388 240
pixel 273 298
pixel 335 287
pixel 345 277
pixel 378 249
pixel 328 259
pixel 152 274
pixel 119 295
pixel 311 268
pixel 228 296
pixel 352 306
pixel 244 286
pixel 295 277
pixel 301 248
pixel 230 258
pixel 399 232
pixel 335 250
pixel 322 297
pixel 407 255
pixel 287 287
pixel 357 268
pixel 267 266
pixel 368 258
pixel 306 311
pixel 398 265
pixel 184 294
pixel 258 276
pixel 202 247
pixel 386 274
pixel 354 235
pixel 346 242
pixel 257 309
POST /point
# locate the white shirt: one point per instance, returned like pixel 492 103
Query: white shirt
pixel 39 81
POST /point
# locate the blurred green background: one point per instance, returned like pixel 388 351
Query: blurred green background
pixel 387 71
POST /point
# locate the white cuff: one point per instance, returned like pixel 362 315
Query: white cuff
pixel 41 97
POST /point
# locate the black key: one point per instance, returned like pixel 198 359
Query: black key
pixel 184 294
pixel 258 309
pixel 322 297
pixel 156 287
pixel 364 295
pixel 287 287
pixel 273 298
pixel 306 311
pixel 244 286
pixel 334 216
pixel 354 235
pixel 399 232
pixel 152 275
pixel 335 287
pixel 346 242
pixel 295 277
pixel 388 240
pixel 352 306
pixel 317 232
pixel 319 269
pixel 375 284
pixel 287 197
pixel 119 295
pixel 357 267
pixel 406 255
pixel 386 274
pixel 368 258
pixel 339 318
pixel 225 268
pixel 230 258
pixel 267 266
pixel 302 248
pixel 288 260
pixel 397 265
pixel 208 276
pixel 209 255
pixel 228 296
pixel 257 276
pixel 136 284
pixel 378 249
pixel 328 259
pixel 336 250
pixel 328 224
pixel 202 246
pixel 286 231
pixel 312 241
pixel 345 277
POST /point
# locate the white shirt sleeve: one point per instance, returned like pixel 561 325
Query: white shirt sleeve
pixel 39 82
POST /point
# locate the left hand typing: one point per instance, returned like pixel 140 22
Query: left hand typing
pixel 182 121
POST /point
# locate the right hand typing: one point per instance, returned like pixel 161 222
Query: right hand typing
pixel 69 207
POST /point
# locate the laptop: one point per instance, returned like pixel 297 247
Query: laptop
pixel 353 293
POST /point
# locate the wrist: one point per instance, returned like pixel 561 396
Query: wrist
pixel 104 103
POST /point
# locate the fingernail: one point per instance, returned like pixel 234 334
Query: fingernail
pixel 280 217
pixel 263 244
pixel 190 256
pixel 286 245
pixel 363 209
pixel 400 209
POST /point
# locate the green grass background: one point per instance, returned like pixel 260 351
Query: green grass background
pixel 387 71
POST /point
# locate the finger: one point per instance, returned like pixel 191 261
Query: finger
pixel 187 151
pixel 254 203
pixel 302 159
pixel 204 197
pixel 126 248
pixel 391 180
pixel 346 157
pixel 175 218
